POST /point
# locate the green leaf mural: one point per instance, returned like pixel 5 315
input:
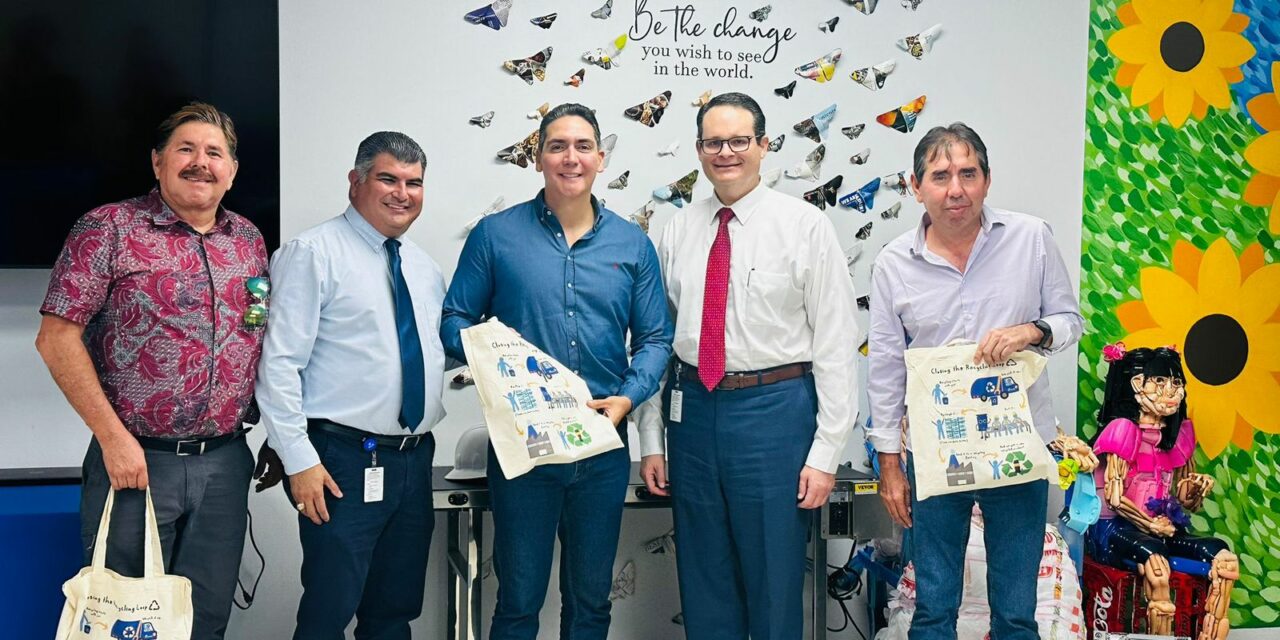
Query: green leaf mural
pixel 1182 177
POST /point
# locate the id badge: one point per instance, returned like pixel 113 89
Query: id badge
pixel 676 407
pixel 373 481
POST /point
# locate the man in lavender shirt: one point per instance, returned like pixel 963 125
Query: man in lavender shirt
pixel 968 271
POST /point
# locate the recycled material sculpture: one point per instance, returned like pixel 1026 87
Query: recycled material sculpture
pixel 1150 483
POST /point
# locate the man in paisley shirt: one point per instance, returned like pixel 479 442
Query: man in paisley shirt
pixel 152 328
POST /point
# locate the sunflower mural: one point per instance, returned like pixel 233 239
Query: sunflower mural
pixel 1179 55
pixel 1219 311
pixel 1263 154
pixel 1179 244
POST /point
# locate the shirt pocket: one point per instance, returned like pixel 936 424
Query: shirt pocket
pixel 426 306
pixel 924 311
pixel 772 298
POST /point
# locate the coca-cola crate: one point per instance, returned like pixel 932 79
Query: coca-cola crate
pixel 1189 594
pixel 1113 601
pixel 1109 596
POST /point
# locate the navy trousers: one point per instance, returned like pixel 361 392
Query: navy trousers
pixel 370 559
pixel 735 462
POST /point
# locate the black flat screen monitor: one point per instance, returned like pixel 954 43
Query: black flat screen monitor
pixel 83 85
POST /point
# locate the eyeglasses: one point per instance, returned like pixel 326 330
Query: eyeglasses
pixel 737 144
pixel 1164 382
pixel 256 315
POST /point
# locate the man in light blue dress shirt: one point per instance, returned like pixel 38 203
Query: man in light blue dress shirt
pixel 968 271
pixel 349 387
pixel 582 284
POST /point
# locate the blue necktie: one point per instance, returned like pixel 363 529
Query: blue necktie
pixel 413 378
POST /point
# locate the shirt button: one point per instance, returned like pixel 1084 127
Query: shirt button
pixel 573 343
pixel 558 234
pixel 570 285
pixel 570 314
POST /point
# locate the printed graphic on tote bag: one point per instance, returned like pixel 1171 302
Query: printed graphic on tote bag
pixel 971 424
pixel 101 603
pixel 535 409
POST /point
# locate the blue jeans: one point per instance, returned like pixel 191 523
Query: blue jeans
pixel 740 537
pixel 582 502
pixel 1014 519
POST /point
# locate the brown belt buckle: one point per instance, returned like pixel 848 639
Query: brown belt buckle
pixel 736 381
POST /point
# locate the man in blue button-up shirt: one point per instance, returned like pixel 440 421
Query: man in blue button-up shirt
pixel 574 279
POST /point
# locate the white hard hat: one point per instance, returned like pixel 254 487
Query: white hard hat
pixel 470 455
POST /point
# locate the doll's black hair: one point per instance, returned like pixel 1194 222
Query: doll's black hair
pixel 1119 401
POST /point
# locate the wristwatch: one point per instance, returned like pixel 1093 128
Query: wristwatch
pixel 1047 340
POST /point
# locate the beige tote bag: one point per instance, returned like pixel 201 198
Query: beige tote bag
pixel 102 604
pixel 971 425
pixel 535 408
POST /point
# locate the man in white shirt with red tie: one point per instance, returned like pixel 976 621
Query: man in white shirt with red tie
pixel 762 392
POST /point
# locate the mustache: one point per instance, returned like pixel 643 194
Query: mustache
pixel 199 173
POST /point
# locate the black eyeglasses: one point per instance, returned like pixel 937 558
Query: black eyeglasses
pixel 737 144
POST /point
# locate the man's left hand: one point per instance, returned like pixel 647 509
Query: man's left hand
pixel 999 344
pixel 269 471
pixel 815 487
pixel 614 408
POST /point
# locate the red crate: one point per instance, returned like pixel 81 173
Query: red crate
pixel 1109 596
pixel 1113 601
pixel 1191 594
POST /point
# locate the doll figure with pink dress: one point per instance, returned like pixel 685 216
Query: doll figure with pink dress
pixel 1149 486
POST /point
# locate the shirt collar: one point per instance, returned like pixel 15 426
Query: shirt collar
pixel 990 218
pixel 548 217
pixel 164 216
pixel 745 206
pixel 364 229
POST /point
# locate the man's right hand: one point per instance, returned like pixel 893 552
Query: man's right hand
pixel 653 470
pixel 61 345
pixel 126 463
pixel 895 489
pixel 307 487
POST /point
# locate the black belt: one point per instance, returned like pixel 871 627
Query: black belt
pixel 744 379
pixel 190 446
pixel 399 443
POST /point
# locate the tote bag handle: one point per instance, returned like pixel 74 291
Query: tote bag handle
pixel 153 564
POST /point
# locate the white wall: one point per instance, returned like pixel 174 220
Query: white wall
pixel 1015 71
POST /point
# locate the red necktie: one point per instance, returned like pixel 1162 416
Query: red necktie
pixel 714 298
